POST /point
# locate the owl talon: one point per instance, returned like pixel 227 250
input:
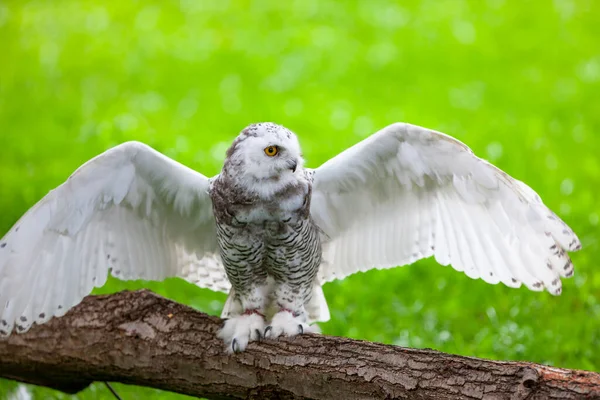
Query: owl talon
pixel 268 329
pixel 240 330
pixel 284 323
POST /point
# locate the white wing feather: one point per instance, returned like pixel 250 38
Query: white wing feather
pixel 407 193
pixel 130 209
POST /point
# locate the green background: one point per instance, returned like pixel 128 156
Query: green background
pixel 518 81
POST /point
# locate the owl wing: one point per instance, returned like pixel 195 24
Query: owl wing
pixel 130 209
pixel 407 193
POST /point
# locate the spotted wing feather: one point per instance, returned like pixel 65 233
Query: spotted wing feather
pixel 131 210
pixel 408 193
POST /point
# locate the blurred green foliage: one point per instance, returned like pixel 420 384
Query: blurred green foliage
pixel 516 81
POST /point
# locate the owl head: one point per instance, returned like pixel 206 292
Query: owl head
pixel 265 153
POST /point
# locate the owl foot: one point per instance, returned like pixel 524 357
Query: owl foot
pixel 240 330
pixel 285 324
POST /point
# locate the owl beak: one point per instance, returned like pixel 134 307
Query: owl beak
pixel 293 165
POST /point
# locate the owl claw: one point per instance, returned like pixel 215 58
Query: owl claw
pixel 240 330
pixel 268 329
pixel 284 323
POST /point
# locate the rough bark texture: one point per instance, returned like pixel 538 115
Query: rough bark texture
pixel 143 339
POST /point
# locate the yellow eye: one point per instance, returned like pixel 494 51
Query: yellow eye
pixel 271 151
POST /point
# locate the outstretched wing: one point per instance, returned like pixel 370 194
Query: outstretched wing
pixel 407 193
pixel 130 209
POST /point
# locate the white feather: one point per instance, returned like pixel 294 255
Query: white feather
pixel 408 183
pixel 131 209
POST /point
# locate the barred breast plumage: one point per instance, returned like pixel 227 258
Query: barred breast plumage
pixel 270 244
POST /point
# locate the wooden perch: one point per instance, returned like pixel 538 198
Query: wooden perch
pixel 143 339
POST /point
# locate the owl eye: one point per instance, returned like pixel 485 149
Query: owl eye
pixel 271 151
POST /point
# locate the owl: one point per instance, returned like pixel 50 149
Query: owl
pixel 270 232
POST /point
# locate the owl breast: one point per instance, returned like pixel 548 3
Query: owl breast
pixel 284 209
pixel 260 238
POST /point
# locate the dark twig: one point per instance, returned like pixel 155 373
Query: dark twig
pixel 112 390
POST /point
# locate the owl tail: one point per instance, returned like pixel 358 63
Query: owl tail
pixel 317 308
pixel 231 307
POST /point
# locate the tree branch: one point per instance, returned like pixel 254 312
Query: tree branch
pixel 143 339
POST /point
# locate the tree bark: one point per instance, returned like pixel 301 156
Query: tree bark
pixel 143 339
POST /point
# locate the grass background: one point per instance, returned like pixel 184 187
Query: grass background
pixel 516 81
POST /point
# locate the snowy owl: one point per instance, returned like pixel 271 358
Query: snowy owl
pixel 271 232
